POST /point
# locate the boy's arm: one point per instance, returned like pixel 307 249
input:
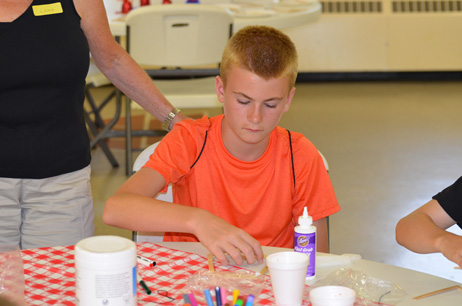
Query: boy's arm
pixel 322 243
pixel 134 207
pixel 424 231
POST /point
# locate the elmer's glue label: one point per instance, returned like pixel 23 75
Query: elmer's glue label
pixel 305 241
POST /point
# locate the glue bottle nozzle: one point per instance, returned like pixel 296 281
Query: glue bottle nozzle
pixel 305 219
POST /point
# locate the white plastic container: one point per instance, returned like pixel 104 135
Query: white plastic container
pixel 305 241
pixel 332 296
pixel 105 269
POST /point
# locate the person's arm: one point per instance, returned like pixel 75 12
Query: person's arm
pixel 322 239
pixel 424 231
pixel 117 65
pixel 134 207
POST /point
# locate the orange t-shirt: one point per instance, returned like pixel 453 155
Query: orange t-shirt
pixel 257 196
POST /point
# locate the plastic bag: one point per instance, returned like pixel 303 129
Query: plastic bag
pixel 369 290
pixel 11 274
pixel 247 282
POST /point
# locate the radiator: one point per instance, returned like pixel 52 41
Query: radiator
pixel 382 35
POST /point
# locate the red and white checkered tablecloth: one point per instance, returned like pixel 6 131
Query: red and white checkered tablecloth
pixel 50 275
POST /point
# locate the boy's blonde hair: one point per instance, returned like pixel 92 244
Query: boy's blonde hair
pixel 265 51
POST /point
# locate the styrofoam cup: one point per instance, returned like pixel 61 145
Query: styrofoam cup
pixel 288 272
pixel 332 296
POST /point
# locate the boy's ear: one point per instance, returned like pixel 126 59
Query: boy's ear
pixel 220 89
pixel 289 99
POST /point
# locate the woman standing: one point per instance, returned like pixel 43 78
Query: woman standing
pixel 45 195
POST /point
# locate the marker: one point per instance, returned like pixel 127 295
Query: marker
pixel 224 298
pixel 208 297
pixel 144 261
pixel 218 296
pixel 186 299
pixel 250 300
pixel 192 299
pixel 235 295
pixel 143 284
pixel 239 303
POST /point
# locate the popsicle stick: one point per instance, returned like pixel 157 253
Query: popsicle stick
pixel 211 267
pixel 437 292
pixel 264 270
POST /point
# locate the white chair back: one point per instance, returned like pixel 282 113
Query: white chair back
pixel 168 196
pixel 178 35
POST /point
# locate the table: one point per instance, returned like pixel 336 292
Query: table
pixel 299 16
pixel 49 274
pixel 413 282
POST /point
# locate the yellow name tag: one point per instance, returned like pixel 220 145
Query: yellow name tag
pixel 47 9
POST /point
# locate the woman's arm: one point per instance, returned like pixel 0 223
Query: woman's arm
pixel 116 64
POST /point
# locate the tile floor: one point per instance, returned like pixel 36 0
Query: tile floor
pixel 390 147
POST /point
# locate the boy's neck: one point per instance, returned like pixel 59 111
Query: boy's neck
pixel 239 148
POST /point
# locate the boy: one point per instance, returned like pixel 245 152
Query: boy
pixel 241 180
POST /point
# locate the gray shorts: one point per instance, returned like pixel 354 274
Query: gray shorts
pixel 46 212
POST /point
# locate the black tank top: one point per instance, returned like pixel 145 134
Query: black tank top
pixel 43 64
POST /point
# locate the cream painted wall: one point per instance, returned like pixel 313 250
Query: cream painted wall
pixel 383 41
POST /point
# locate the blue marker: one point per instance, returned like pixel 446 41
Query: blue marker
pixel 208 297
pixel 250 299
pixel 218 296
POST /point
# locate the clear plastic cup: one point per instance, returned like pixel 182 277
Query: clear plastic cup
pixel 332 296
pixel 288 272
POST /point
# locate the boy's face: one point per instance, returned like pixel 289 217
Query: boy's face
pixel 253 107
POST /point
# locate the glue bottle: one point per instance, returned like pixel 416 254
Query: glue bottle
pixel 305 241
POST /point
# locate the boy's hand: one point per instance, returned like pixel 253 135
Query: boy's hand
pixel 222 238
pixel 451 246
